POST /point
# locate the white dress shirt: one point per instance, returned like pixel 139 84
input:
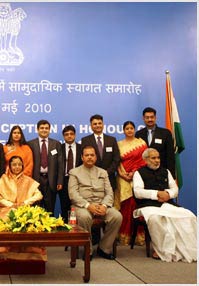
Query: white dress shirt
pixel 102 138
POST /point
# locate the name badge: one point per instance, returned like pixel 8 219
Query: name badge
pixel 158 141
pixel 109 149
pixel 53 152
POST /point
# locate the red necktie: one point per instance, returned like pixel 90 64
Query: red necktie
pixel 70 159
pixel 44 156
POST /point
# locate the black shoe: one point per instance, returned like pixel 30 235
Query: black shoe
pixel 66 248
pixel 105 255
pixel 95 240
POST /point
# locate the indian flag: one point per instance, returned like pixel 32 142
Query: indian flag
pixel 173 124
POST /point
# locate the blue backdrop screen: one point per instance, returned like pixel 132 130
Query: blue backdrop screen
pixel 67 61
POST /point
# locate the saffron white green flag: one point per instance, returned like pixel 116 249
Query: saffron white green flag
pixel 173 124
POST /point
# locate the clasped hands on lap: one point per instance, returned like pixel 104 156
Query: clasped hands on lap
pixel 97 209
pixel 163 196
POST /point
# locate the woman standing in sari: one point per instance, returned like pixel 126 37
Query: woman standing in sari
pixel 131 149
pixel 17 146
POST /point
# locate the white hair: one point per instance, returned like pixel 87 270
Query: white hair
pixel 147 152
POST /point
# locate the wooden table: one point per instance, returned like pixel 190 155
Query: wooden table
pixel 74 238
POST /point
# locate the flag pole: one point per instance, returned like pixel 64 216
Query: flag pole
pixel 169 113
pixel 168 116
pixel 173 124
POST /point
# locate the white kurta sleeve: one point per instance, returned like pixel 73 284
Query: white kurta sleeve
pixel 139 190
pixel 173 188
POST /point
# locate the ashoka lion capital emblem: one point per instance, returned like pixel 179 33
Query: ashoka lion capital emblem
pixel 10 26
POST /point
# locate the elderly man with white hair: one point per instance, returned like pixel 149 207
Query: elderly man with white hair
pixel 173 229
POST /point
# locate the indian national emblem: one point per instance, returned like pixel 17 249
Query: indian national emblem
pixel 10 26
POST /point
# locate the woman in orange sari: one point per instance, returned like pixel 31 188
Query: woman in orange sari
pixel 17 146
pixel 17 189
pixel 131 149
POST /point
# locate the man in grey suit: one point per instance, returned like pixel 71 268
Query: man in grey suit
pixel 50 175
pixel 69 134
pixel 158 138
pixel 110 156
pixel 91 195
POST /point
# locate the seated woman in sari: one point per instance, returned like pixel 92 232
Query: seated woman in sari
pixel 131 149
pixel 17 189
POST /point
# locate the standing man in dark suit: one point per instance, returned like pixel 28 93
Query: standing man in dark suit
pixel 106 145
pixel 2 161
pixel 48 165
pixel 158 138
pixel 69 134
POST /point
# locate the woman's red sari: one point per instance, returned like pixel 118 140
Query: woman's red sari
pixel 131 160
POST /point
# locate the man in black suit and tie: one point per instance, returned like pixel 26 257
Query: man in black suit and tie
pixel 72 158
pixel 48 165
pixel 158 138
pixel 108 156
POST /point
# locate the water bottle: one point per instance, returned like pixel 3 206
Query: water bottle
pixel 73 219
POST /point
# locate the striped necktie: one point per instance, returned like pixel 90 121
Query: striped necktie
pixel 99 144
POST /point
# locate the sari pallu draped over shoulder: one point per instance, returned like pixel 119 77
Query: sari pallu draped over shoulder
pixel 131 161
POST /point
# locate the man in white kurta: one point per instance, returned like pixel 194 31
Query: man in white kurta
pixel 91 194
pixel 173 229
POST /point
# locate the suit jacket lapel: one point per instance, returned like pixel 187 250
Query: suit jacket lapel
pixel 64 153
pixel 106 143
pixel 93 141
pixel 146 135
pixel 50 147
pixel 78 154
